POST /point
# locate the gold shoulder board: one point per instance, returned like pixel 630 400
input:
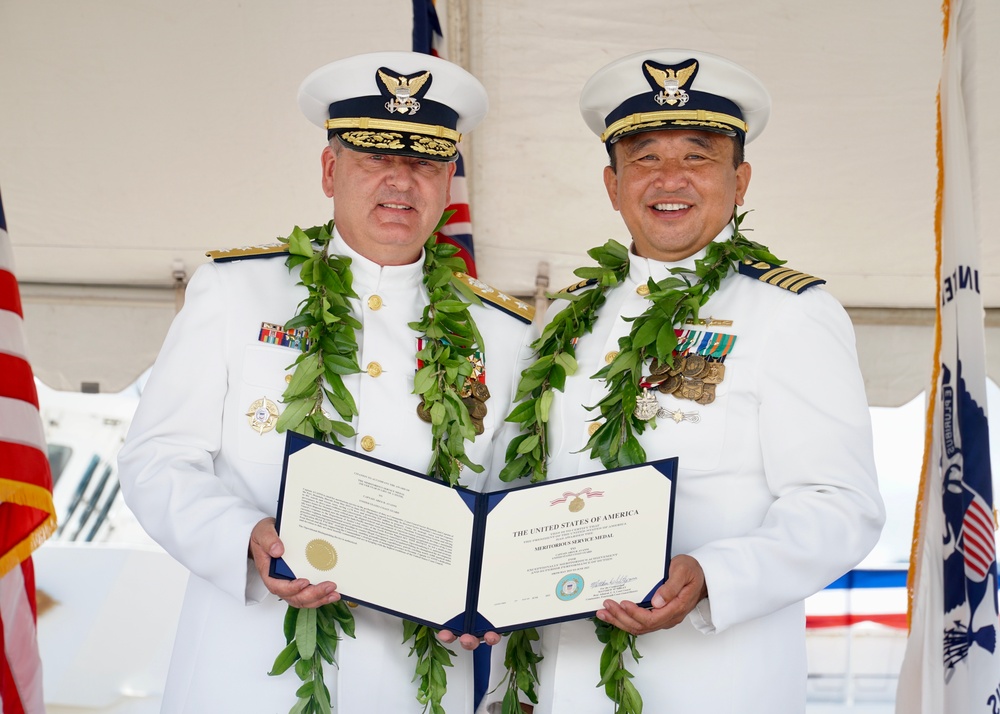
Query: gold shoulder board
pixel 511 305
pixel 254 251
pixel 779 275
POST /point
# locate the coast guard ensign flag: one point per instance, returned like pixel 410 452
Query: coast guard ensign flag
pixel 952 660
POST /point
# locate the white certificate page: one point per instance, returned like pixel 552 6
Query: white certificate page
pixel 386 538
pixel 558 550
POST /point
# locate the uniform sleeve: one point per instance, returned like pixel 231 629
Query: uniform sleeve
pixel 816 447
pixel 167 464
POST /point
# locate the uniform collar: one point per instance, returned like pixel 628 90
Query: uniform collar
pixel 642 269
pixel 372 277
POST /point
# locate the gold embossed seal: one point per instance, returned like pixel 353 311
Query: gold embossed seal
pixel 321 554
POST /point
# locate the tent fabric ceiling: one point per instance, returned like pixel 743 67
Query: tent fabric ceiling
pixel 135 136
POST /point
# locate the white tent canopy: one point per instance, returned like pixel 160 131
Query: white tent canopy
pixel 135 136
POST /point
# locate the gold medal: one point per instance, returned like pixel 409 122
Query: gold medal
pixel 708 394
pixel 670 385
pixel 714 374
pixel 477 425
pixel 656 368
pixel 480 391
pixel 576 504
pixel 423 412
pixel 262 415
pixel 657 378
pixel 693 365
pixel 691 389
pixel 477 410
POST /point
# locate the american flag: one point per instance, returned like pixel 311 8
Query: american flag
pixel 952 661
pixel 428 38
pixel 26 509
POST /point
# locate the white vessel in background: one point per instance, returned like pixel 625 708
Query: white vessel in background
pixel 108 597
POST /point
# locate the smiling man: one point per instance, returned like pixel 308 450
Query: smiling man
pixel 748 372
pixel 202 464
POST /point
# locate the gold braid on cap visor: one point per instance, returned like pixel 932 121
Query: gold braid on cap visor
pixel 390 125
pixel 696 117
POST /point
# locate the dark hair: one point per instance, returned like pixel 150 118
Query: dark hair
pixel 739 155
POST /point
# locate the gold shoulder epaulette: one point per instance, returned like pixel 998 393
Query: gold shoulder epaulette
pixel 511 305
pixel 779 275
pixel 253 251
pixel 576 286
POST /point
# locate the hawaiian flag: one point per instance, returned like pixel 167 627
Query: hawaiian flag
pixel 27 515
pixel 952 662
pixel 428 38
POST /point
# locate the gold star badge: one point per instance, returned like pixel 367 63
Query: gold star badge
pixel 263 415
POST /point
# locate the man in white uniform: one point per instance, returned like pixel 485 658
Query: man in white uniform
pixel 202 463
pixel 776 493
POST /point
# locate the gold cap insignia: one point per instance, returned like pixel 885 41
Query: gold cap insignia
pixel 403 90
pixel 670 80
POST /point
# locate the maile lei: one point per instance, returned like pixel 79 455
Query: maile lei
pixel 331 352
pixel 673 302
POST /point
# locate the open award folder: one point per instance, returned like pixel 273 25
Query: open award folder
pixel 451 558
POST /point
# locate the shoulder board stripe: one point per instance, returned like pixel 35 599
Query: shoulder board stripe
pixel 576 286
pixel 786 278
pixel 804 282
pixel 257 251
pixel 515 307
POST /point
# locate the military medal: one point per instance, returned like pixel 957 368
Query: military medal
pixel 693 374
pixel 690 389
pixel 715 372
pixel 474 392
pixel 263 415
pixel 480 391
pixel 707 395
pixel 692 366
pixel 670 384
pixel 477 409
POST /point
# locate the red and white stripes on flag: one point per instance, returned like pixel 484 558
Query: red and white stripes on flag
pixel 429 39
pixel 979 552
pixel 27 514
pixel 952 659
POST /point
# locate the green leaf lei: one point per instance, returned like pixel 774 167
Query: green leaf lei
pixel 673 302
pixel 330 352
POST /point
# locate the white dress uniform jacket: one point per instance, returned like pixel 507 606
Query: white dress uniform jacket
pixel 199 477
pixel 776 497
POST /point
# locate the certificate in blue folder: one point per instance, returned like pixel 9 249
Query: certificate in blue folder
pixel 412 546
